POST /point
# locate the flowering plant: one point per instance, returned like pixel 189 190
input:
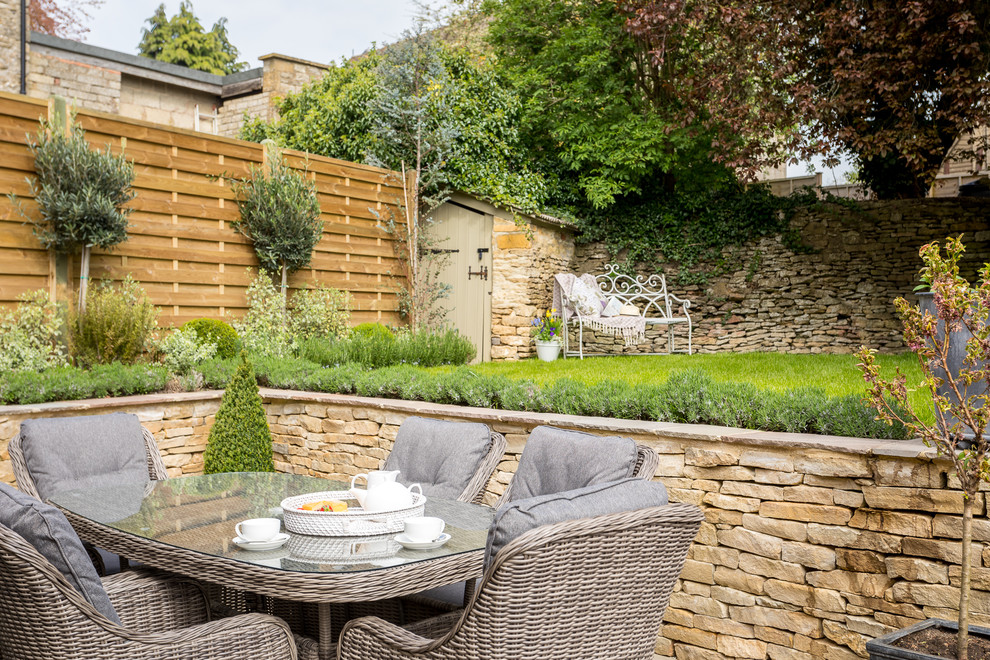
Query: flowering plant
pixel 547 327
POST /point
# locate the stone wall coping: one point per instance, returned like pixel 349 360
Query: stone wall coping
pixel 663 430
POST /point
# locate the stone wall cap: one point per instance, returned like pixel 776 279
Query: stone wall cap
pixel 110 402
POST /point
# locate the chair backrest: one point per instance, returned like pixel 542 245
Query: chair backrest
pixel 645 467
pixel 454 460
pixel 27 482
pixel 612 574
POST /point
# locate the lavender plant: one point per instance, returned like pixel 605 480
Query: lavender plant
pixel 961 416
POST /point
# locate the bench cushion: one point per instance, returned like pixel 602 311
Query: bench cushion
pixel 440 456
pixel 520 516
pixel 70 453
pixel 556 460
pixel 46 528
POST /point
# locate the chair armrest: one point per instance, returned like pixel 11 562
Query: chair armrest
pixel 148 601
pixel 255 636
pixel 686 303
pixel 371 638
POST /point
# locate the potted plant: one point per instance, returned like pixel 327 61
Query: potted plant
pixel 958 431
pixel 547 329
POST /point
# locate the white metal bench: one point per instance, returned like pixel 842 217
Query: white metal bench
pixel 658 306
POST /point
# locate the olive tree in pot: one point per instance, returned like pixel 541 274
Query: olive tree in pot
pixel 280 214
pixel 959 429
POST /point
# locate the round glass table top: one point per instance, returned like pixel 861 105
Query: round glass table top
pixel 199 513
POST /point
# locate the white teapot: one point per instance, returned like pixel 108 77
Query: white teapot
pixel 384 493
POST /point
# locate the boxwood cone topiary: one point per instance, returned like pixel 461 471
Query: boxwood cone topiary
pixel 240 440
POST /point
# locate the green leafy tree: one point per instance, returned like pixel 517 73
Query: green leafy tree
pixel 80 193
pixel 280 214
pixel 182 40
pixel 240 440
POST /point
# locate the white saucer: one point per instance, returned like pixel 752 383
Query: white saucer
pixel 409 544
pixel 277 542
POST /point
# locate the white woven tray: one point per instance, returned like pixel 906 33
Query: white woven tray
pixel 343 549
pixel 353 522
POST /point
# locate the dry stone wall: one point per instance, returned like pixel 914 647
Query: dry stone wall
pixel 811 544
pixel 10 45
pixel 831 300
pixel 524 261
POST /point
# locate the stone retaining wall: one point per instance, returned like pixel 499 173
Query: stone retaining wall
pixel 811 545
pixel 833 299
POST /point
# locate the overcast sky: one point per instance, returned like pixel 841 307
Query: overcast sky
pixel 316 30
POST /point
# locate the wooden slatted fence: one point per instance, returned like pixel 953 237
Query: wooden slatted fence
pixel 180 245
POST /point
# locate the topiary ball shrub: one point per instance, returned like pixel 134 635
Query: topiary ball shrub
pixel 240 440
pixel 373 330
pixel 217 332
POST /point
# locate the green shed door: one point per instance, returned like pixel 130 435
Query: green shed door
pixel 466 236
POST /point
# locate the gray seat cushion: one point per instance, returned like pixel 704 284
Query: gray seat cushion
pixel 70 453
pixel 441 456
pixel 556 460
pixel 520 516
pixel 44 527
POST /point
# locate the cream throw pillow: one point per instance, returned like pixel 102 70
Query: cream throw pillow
pixel 585 299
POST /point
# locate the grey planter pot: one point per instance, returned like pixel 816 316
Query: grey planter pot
pixel 882 648
pixel 957 351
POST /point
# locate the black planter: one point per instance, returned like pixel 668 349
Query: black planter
pixel 957 353
pixel 882 648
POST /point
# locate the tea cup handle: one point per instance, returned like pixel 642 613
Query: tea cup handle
pixel 355 478
pixel 237 529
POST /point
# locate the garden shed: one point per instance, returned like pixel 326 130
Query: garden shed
pixel 499 266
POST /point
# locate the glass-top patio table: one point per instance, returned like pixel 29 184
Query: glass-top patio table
pixel 186 526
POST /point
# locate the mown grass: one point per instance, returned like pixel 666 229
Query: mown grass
pixel 834 375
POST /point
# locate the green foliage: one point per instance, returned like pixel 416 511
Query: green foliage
pixel 69 383
pixel 319 312
pixel 79 191
pixel 240 440
pixel 691 228
pixel 31 334
pixel 263 329
pixel 280 214
pixel 117 325
pixel 373 330
pixel 378 350
pixel 181 350
pixel 182 40
pixel 218 333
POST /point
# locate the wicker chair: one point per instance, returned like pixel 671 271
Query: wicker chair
pixel 647 461
pixel 592 589
pixel 25 482
pixel 42 616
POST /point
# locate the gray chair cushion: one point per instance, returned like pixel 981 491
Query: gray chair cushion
pixel 44 527
pixel 556 460
pixel 70 453
pixel 520 516
pixel 440 456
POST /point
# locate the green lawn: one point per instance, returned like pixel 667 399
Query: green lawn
pixel 836 375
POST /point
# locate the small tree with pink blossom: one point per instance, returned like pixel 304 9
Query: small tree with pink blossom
pixel 961 416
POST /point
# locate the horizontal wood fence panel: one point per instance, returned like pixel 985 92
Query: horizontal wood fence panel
pixel 181 246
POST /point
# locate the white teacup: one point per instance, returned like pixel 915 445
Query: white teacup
pixel 258 530
pixel 424 529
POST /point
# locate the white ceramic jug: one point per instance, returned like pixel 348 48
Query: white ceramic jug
pixel 384 493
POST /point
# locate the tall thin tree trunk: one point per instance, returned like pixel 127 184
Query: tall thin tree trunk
pixel 962 640
pixel 83 278
pixel 285 286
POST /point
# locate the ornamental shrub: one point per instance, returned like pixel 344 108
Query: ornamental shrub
pixel 240 440
pixel 181 350
pixel 319 312
pixel 263 329
pixel 69 383
pixel 117 325
pixel 31 334
pixel 373 330
pixel 219 333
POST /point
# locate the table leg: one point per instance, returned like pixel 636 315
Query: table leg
pixel 327 641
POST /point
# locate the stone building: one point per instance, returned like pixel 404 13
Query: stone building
pixel 140 87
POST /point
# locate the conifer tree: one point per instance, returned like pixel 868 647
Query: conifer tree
pixel 240 440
